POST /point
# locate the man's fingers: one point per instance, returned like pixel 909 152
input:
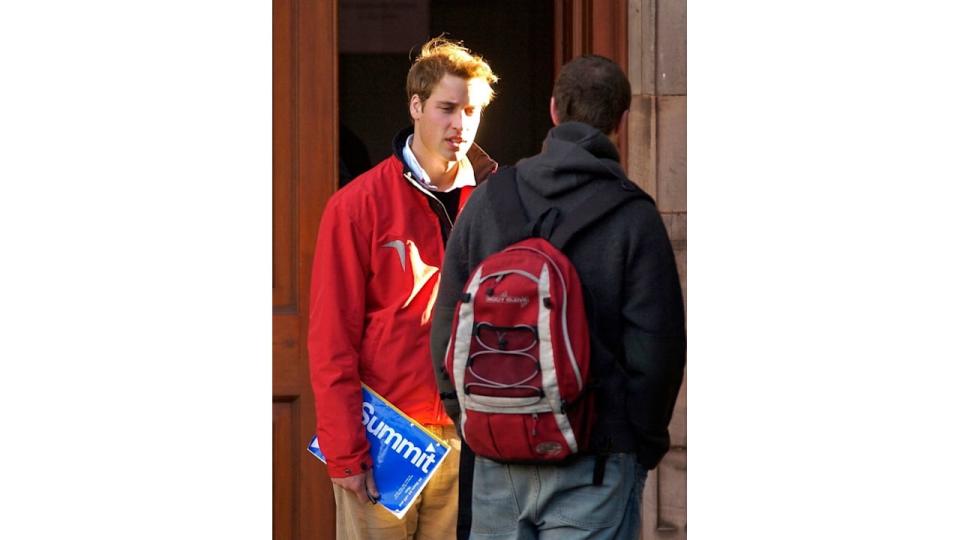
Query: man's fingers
pixel 357 487
pixel 356 484
pixel 371 486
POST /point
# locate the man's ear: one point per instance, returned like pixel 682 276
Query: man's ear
pixel 416 107
pixel 553 111
pixel 622 124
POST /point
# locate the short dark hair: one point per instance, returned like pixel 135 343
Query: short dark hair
pixel 593 90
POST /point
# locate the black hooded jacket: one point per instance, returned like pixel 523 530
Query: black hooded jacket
pixel 628 272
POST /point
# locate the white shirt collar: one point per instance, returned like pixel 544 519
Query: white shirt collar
pixel 465 176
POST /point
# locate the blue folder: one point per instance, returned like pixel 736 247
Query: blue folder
pixel 405 455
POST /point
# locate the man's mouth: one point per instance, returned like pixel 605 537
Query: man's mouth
pixel 455 142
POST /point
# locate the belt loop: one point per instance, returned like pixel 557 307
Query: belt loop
pixel 599 467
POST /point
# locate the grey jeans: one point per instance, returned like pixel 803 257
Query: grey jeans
pixel 550 502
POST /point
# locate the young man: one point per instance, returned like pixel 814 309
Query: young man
pixel 635 317
pixel 379 250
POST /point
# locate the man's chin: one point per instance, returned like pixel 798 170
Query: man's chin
pixel 452 156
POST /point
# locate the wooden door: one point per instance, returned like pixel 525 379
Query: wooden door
pixel 304 177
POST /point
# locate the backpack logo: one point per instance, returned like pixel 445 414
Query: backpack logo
pixel 549 448
pixel 504 298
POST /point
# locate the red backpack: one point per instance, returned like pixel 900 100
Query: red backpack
pixel 519 351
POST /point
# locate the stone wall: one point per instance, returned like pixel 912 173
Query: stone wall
pixel 657 160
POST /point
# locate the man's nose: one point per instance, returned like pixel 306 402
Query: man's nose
pixel 459 120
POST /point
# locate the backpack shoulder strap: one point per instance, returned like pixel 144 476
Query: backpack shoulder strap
pixel 607 197
pixel 512 220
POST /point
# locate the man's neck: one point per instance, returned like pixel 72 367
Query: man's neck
pixel 444 180
pixel 441 173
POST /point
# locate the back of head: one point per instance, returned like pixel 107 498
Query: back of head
pixel 593 90
pixel 439 57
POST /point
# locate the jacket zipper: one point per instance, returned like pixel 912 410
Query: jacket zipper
pixel 409 177
pixel 437 407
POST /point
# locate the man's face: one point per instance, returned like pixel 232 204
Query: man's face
pixel 446 123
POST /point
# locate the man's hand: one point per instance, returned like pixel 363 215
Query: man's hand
pixel 362 485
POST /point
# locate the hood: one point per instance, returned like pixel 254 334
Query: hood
pixel 573 154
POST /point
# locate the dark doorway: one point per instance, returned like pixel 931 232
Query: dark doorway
pixel 381 38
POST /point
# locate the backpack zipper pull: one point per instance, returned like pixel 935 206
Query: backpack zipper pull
pixel 535 418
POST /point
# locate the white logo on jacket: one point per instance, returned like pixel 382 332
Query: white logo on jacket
pixel 422 273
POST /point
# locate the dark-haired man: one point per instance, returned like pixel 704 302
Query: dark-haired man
pixel 635 315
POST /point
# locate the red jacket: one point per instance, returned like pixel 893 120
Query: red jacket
pixel 374 282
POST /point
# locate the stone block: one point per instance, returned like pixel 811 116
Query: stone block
pixel 681 257
pixel 671 148
pixel 642 46
pixel 678 424
pixel 641 164
pixel 671 47
pixel 672 491
pixel 676 225
pixel 664 500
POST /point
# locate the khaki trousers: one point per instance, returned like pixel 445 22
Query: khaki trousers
pixel 433 515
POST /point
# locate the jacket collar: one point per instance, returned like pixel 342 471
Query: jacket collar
pixel 483 164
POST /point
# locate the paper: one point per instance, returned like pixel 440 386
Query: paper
pixel 405 455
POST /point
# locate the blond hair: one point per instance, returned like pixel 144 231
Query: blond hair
pixel 439 57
